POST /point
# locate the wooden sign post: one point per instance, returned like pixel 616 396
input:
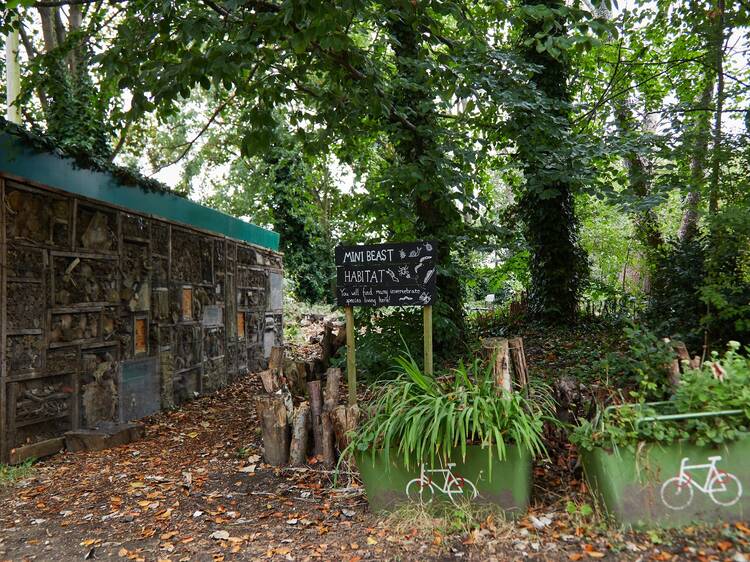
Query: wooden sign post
pixel 385 275
pixel 427 312
pixel 351 361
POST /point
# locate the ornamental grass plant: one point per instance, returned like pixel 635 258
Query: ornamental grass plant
pixel 422 417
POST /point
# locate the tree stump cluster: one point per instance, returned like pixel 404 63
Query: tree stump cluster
pixel 299 413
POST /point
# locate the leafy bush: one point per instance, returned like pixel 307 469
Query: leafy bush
pixel 643 364
pixel 421 416
pixel 675 305
pixel 726 289
pixel 719 385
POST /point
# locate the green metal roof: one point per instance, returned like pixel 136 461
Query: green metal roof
pixel 20 158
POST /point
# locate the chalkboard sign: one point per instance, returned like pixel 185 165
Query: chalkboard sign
pixel 386 274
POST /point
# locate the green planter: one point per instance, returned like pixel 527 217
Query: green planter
pixel 390 484
pixel 672 485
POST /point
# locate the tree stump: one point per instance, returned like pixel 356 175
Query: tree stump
pixel 518 361
pixel 316 408
pixel 345 420
pixel 276 359
pixel 497 351
pixel 298 446
pixel 333 389
pixel 272 414
pixel 328 449
pixel 270 380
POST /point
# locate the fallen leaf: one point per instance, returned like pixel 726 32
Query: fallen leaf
pixel 575 556
pixel 724 545
pixel 220 535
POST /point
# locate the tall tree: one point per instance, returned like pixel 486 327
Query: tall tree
pixel 559 264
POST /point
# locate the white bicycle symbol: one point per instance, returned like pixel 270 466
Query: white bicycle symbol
pixel 722 487
pixel 423 488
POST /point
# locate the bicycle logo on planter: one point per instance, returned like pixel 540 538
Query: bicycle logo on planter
pixel 423 489
pixel 723 488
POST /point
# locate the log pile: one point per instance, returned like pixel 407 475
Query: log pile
pixel 317 426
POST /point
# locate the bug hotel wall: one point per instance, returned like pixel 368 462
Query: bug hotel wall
pixel 109 315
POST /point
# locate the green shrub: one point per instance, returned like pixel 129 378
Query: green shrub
pixel 423 416
pixel 643 364
pixel 722 384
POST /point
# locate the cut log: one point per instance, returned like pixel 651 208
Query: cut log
pixel 340 340
pixel 345 420
pixel 300 423
pixel 333 388
pixel 496 350
pixel 326 344
pixel 681 350
pixel 276 360
pixel 270 380
pixel 329 451
pixel 316 408
pixel 518 361
pixel 272 415
pixel 296 377
pixel 676 368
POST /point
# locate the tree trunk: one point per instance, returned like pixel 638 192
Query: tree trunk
pixel 639 177
pixel 272 414
pixel 298 446
pixel 713 201
pixel 689 225
pixel 420 184
pixel 559 265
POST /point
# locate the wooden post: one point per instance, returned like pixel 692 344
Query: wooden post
pixel 351 362
pixel 428 340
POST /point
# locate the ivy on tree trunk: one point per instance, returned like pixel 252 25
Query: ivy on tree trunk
pixel 559 266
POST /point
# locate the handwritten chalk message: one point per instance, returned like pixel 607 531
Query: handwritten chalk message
pixel 386 274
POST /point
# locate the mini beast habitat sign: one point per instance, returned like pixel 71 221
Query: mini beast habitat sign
pixel 386 274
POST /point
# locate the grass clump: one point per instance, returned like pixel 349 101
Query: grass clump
pixel 10 474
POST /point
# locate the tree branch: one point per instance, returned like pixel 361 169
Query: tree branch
pixel 58 3
pixel 189 145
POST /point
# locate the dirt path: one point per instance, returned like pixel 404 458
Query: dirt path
pixel 194 489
